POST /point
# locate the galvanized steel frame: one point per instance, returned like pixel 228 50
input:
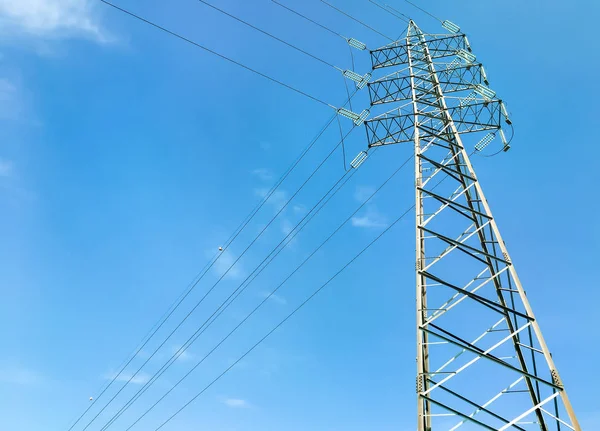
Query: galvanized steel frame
pixel 454 221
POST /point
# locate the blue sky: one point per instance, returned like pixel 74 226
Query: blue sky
pixel 127 157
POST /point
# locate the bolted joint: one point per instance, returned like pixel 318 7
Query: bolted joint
pixel 556 378
pixel 420 383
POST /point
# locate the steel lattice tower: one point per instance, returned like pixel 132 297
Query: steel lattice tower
pixel 482 362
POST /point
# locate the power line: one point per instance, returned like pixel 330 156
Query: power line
pixel 233 236
pixel 202 273
pixel 309 19
pixel 388 10
pixel 153 330
pixel 216 283
pixel 328 29
pixel 249 218
pixel 299 307
pixel 271 35
pixel 423 10
pixel 284 320
pixel 354 19
pixel 157 326
pixel 397 11
pixel 224 57
pixel 239 290
pixel 343 146
pixel 274 291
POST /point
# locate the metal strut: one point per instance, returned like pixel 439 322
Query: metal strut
pixel 465 279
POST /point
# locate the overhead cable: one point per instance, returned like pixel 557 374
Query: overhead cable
pixel 289 315
pixel 310 256
pixel 423 10
pixel 157 326
pixel 358 21
pixel 284 320
pixel 224 57
pixel 270 35
pixel 233 236
pixel 309 19
pixel 241 288
pixel 397 11
pixel 216 283
pixel 388 10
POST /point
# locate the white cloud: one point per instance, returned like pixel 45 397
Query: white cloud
pixel 372 219
pixel 224 263
pixel 138 379
pixel 263 174
pixel 299 209
pixel 236 403
pixel 277 200
pixel 51 18
pixel 275 298
pixel 362 193
pixel 286 226
pixel 185 355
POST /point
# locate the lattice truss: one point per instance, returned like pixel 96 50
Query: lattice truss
pixel 482 362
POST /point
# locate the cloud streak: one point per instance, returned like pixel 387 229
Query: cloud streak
pixel 275 298
pixel 223 265
pixel 372 218
pixel 263 174
pixel 236 403
pixel 184 355
pixel 277 200
pixel 51 19
pixel 138 379
pixel 362 193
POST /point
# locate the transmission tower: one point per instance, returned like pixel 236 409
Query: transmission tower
pixel 482 362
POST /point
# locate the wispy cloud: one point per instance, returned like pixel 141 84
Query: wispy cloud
pixel 236 403
pixel 299 209
pixel 277 200
pixel 224 265
pixel 263 174
pixel 362 193
pixel 372 217
pixel 51 19
pixel 275 298
pixel 184 355
pixel 286 226
pixel 138 379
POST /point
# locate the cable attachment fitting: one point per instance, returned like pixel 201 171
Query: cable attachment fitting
pixel 356 44
pixel 359 159
pixel 358 119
